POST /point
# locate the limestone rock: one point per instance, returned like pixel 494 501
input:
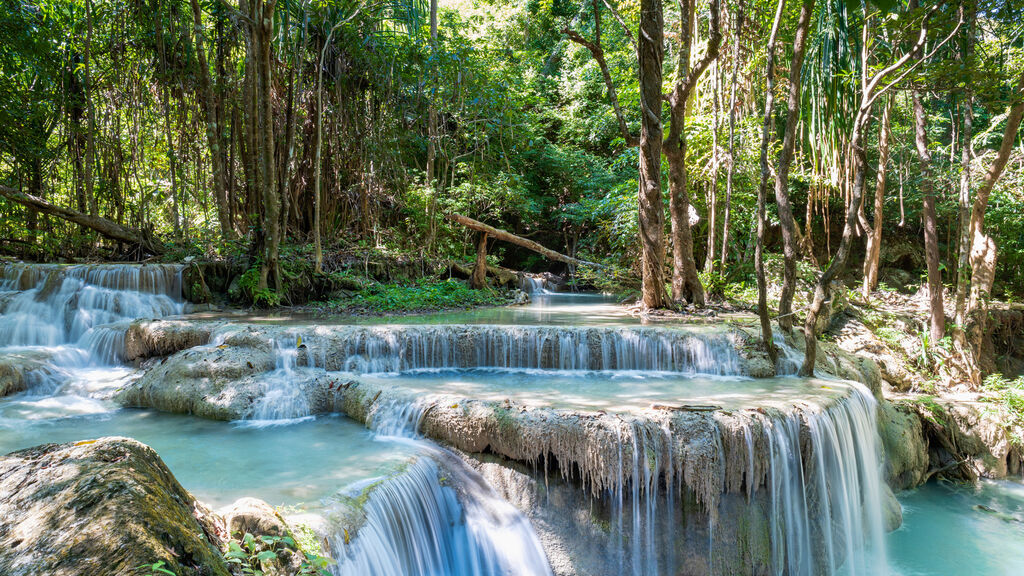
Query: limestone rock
pixel 99 508
pixel 225 382
pixel 906 448
pixel 205 381
pixel 24 369
pixel 256 517
pixel 155 338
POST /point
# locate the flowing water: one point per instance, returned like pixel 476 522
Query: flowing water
pixel 393 503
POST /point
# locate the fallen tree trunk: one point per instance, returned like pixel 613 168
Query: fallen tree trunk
pixel 108 228
pixel 518 241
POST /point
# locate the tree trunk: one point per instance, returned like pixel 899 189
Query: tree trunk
pixel 686 286
pixel 982 246
pixel 709 258
pixel 479 278
pixel 90 147
pixel 263 30
pixel 108 228
pixel 213 129
pixel 785 209
pixel 651 213
pixel 732 135
pixel 874 249
pixel 762 189
pixel 498 234
pixel 931 237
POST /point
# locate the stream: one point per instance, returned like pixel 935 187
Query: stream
pixel 423 509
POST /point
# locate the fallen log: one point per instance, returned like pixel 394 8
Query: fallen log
pixel 107 228
pixel 518 241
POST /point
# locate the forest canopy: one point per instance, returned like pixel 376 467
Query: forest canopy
pixel 880 139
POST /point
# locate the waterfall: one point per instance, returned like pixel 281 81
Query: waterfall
pixel 533 284
pixel 86 306
pixel 402 348
pixel 437 517
pixel 825 515
pixel 283 400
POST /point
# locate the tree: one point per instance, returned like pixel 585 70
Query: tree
pixel 652 219
pixel 785 159
pixel 872 87
pixel 686 286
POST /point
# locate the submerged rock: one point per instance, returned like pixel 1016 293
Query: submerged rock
pixel 24 369
pixel 101 507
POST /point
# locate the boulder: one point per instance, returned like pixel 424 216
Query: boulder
pixel 207 381
pixel 256 518
pixel 27 369
pixel 156 338
pixel 101 507
pixel 905 445
pixel 227 381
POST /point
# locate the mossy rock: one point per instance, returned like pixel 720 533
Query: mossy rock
pixel 101 508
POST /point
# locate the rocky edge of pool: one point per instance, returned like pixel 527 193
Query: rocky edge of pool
pixel 558 437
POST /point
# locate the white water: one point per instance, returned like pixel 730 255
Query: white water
pixel 401 348
pixel 83 306
pixel 283 400
pixel 826 512
pixel 439 517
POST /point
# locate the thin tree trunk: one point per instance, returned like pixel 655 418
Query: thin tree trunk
pixel 709 260
pixel 963 270
pixel 686 286
pixel 90 111
pixel 931 237
pixel 651 213
pixel 762 189
pixel 783 205
pixel 874 248
pixel 870 91
pixel 479 278
pixel 213 129
pixel 732 135
pixel 432 135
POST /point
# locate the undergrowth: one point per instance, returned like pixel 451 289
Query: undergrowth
pixel 1008 396
pixel 424 294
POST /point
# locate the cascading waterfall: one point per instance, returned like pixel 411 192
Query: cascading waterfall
pixel 283 400
pixel 826 510
pixel 403 348
pixel 86 306
pixel 438 517
pixel 533 284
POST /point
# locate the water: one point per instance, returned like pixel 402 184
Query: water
pixel 283 401
pixel 628 391
pixel 438 517
pixel 826 513
pixel 960 530
pixel 398 348
pixel 85 306
pixel 220 462
pixel 397 504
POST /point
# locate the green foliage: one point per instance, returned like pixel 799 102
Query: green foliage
pixel 1007 396
pixel 154 569
pixel 425 294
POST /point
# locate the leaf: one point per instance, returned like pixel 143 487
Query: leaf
pixel 266 556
